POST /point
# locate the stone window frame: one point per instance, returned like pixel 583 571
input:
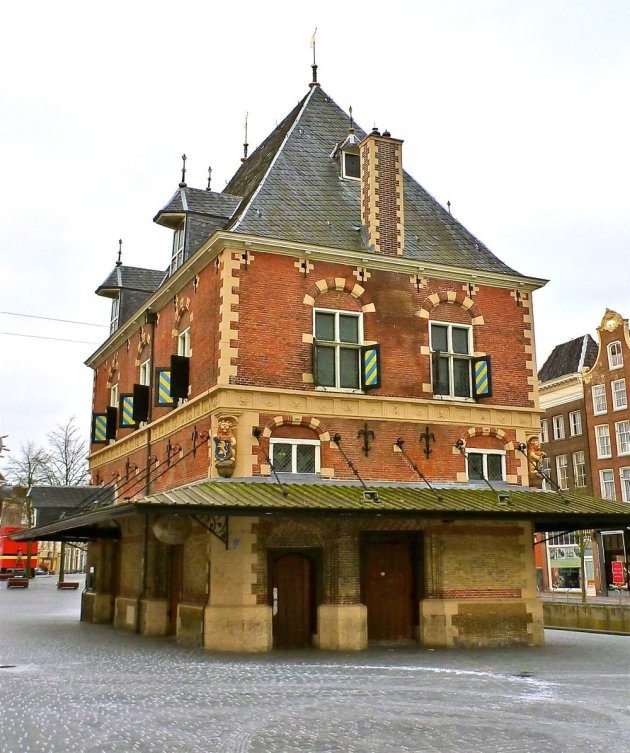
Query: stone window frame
pixel 183 343
pixel 144 376
pixel 598 393
pixel 295 443
pixel 451 355
pixel 575 423
pixel 619 434
pixel 337 345
pixel 599 437
pixel 485 453
pixel 562 471
pixel 604 484
pixel 114 395
pixel 558 427
pixel 579 469
pixel 618 390
pixel 615 360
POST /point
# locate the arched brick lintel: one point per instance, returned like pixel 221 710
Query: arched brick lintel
pixel 489 431
pixel 310 422
pixel 451 296
pixel 341 284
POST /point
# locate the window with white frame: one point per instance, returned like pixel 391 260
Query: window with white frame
pixel 599 399
pixel 615 356
pixel 488 464
pixel 579 469
pixel 575 423
pixel 622 433
pixel 544 430
pixel 607 484
pixel 451 345
pixel 113 325
pixel 295 455
pixel 145 372
pixel 351 164
pixel 558 427
pixel 113 396
pixel 561 469
pixel 545 467
pixel 338 337
pixel 183 343
pixel 602 436
pixel 619 396
pixel 624 476
pixel 177 256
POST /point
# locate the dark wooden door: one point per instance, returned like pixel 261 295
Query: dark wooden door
pixel 176 585
pixel 292 601
pixel 388 589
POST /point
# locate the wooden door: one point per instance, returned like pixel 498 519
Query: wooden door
pixel 176 585
pixel 292 601
pixel 388 589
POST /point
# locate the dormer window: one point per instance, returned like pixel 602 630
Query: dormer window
pixel 177 258
pixel 113 326
pixel 351 166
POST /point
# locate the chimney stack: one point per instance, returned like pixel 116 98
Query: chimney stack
pixel 382 209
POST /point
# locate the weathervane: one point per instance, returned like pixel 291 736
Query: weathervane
pixel 209 178
pixel 314 66
pixel 245 144
pixel 119 262
pixel 183 181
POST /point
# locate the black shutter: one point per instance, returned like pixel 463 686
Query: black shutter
pixel 112 420
pixel 180 367
pixel 140 403
pixel 314 350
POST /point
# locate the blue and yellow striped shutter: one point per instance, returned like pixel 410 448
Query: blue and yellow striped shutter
pixel 371 366
pixel 163 383
pixel 126 411
pixel 482 374
pixel 99 428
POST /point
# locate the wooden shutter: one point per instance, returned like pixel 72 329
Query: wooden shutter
pixel 482 377
pixel 99 428
pixel 180 366
pixel 163 387
pixel 370 367
pixel 112 420
pixel 126 411
pixel 140 403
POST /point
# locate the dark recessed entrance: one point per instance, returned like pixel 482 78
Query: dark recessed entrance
pixel 389 564
pixel 293 599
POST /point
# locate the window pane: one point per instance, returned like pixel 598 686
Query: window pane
pixel 352 165
pixel 325 366
pixel 441 379
pixel 438 338
pixel 282 458
pixel 461 377
pixel 349 368
pixel 324 327
pixel 348 329
pixel 305 458
pixel 494 467
pixel 475 466
pixel 460 340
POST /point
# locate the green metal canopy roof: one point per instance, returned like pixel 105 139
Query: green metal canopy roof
pixel 549 511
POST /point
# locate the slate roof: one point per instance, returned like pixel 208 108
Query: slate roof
pixel 133 278
pixel 292 191
pixel 195 200
pixel 67 497
pixel 569 358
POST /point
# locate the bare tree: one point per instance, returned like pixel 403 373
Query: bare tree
pixel 28 466
pixel 67 456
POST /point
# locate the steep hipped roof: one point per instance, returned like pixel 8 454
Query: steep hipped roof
pixel 132 278
pixel 569 358
pixel 195 200
pixel 292 190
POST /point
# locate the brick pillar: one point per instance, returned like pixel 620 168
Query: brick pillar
pixel 382 207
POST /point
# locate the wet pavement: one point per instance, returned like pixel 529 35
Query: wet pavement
pixel 67 687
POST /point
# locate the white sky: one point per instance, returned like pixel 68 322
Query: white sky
pixel 517 112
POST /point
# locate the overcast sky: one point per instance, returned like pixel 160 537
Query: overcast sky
pixel 516 112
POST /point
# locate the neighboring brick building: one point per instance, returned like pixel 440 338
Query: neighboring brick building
pixel 313 423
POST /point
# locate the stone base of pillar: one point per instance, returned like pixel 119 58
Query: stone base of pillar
pixel 96 608
pixel 342 627
pixel 190 624
pixel 238 628
pixel 448 623
pixel 154 616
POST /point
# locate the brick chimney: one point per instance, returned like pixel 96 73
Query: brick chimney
pixel 382 209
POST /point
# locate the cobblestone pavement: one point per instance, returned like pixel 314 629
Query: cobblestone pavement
pixel 77 688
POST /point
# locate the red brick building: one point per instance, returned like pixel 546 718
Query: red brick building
pixel 312 420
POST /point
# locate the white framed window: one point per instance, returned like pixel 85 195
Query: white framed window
pixel 295 455
pixel 622 434
pixel 561 469
pixel 575 423
pixel 338 338
pixel 177 255
pixel 145 372
pixel 558 427
pixel 350 165
pixel 602 436
pixel 113 396
pixel 607 484
pixel 544 430
pixel 451 345
pixel 183 343
pixel 579 469
pixel 619 396
pixel 488 464
pixel 624 476
pixel 615 356
pixel 113 325
pixel 546 471
pixel 599 399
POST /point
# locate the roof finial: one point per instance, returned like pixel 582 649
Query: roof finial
pixel 209 178
pixel 351 129
pixel 183 181
pixel 245 144
pixel 119 262
pixel 314 66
